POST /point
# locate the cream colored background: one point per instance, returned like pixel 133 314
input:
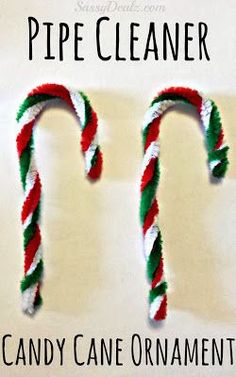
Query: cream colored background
pixel 95 272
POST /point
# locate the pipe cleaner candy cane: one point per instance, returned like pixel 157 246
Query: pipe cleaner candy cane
pixel 27 115
pixel 218 162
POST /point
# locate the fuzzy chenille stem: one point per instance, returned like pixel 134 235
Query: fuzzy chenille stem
pixel 218 162
pixel 36 101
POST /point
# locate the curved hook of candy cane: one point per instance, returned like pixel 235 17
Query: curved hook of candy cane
pixel 32 106
pixel 218 162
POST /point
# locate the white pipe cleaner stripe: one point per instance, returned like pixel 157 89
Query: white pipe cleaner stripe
pixel 152 151
pixel 213 164
pixel 32 112
pixel 28 297
pixel 162 280
pixel 149 239
pixel 38 256
pixel 89 154
pixel 30 176
pixel 206 113
pixel 79 106
pixel 155 306
pixel 156 110
pixel 27 221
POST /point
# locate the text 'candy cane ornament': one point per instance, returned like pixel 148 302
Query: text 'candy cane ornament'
pixel 218 162
pixel 33 105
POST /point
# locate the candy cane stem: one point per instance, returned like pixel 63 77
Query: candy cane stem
pixel 218 162
pixel 36 101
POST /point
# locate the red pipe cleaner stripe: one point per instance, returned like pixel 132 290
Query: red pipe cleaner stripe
pixel 161 313
pixel 153 211
pixel 32 199
pixel 55 90
pixel 24 136
pixel 158 273
pixel 220 140
pixel 190 94
pixel 96 169
pixel 148 173
pixel 89 131
pixel 153 132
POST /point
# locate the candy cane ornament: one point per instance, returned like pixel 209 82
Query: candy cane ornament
pixel 36 101
pixel 218 162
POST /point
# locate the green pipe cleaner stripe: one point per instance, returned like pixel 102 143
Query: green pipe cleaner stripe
pixel 219 154
pixel 214 129
pixel 158 291
pixel 88 109
pixel 33 278
pixel 169 96
pixel 95 157
pixel 220 169
pixel 149 193
pixel 25 161
pixel 154 257
pixel 145 134
pixel 31 101
pixel 30 230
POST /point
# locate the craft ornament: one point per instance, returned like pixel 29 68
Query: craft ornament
pixel 36 101
pixel 218 162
